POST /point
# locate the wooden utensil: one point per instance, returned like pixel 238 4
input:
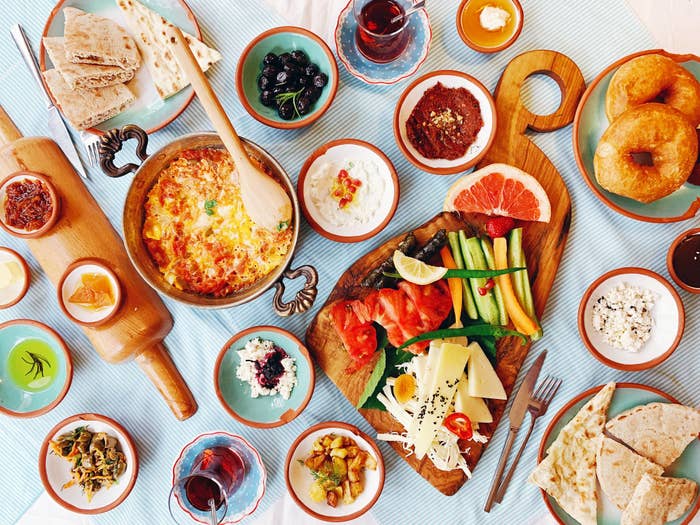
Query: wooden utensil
pixel 543 244
pixel 264 199
pixel 82 230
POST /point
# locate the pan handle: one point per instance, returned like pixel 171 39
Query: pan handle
pixel 112 142
pixel 304 298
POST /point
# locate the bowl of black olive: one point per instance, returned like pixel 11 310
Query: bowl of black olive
pixel 287 77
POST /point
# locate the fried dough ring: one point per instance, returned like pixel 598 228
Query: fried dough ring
pixel 653 128
pixel 653 78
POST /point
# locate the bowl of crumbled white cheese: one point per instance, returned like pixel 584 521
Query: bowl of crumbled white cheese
pixel 631 319
pixel 264 376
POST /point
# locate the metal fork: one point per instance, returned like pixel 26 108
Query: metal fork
pixel 539 402
pixel 92 146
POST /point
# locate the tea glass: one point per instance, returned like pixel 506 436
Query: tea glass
pixel 376 38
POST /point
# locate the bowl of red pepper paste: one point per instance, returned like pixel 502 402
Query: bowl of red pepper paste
pixel 29 205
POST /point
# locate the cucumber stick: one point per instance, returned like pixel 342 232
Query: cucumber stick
pixel 467 298
pixel 491 263
pixel 521 279
pixel 474 259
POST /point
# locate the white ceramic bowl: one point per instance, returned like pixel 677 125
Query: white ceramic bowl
pixel 71 280
pixel 12 294
pixel 668 320
pixel 55 471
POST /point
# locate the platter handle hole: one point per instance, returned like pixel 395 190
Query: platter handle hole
pixel 541 94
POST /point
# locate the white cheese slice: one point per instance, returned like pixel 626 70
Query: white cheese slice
pixel 473 407
pixel 449 362
pixel 10 273
pixel 483 381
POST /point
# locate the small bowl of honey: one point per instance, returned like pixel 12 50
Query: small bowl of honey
pixel 683 260
pixel 89 292
pixel 35 368
pixel 489 26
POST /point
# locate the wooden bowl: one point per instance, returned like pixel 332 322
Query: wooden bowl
pixel 298 477
pixel 466 38
pixel 280 40
pixel 476 151
pixel 263 411
pixel 669 260
pixel 14 294
pixel 668 317
pixel 55 209
pixel 337 151
pixel 55 471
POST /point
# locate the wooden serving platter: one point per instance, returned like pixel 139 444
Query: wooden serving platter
pixel 543 245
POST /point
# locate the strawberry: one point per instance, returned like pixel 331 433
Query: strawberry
pixel 499 226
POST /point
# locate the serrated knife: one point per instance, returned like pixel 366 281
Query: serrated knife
pixel 517 412
pixel 57 128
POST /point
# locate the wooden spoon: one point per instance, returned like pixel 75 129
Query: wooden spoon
pixel 265 200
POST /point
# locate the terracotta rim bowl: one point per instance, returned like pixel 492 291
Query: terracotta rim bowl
pixel 27 276
pixel 483 49
pixel 55 211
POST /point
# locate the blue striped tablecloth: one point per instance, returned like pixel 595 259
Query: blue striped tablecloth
pixel 593 33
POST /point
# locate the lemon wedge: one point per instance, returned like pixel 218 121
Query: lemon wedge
pixel 415 271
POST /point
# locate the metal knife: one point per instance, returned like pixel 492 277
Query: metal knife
pixel 517 412
pixel 57 127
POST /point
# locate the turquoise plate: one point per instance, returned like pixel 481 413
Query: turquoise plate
pixel 17 402
pixel 589 124
pixel 149 112
pixel 263 411
pixel 284 40
pixel 626 396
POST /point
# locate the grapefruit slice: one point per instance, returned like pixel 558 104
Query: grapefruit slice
pixel 500 189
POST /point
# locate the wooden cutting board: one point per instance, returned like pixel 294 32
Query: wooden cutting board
pixel 543 245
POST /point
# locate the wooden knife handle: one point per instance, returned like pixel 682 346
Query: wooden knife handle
pixel 157 364
pixel 8 131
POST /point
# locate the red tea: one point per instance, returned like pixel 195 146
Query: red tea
pixel 377 38
pixel 214 469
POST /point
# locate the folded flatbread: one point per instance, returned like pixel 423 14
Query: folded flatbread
pixel 657 500
pixel 619 471
pixel 85 108
pixel 150 27
pixel 94 39
pixel 81 76
pixel 658 431
pixel 568 472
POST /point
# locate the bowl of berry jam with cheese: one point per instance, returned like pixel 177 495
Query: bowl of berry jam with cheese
pixel 348 190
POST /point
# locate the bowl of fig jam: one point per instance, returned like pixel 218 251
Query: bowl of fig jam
pixel 683 260
pixel 29 205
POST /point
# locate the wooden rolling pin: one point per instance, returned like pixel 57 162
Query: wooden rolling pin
pixel 82 230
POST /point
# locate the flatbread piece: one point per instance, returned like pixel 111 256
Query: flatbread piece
pixel 619 471
pixel 657 500
pixel 85 108
pixel 82 76
pixel 94 39
pixel 568 472
pixel 658 431
pixel 151 39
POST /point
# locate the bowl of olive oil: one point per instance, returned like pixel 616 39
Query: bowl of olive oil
pixel 35 368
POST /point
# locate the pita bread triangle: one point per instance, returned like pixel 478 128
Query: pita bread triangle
pixel 567 473
pixel 94 39
pixel 658 500
pixel 150 29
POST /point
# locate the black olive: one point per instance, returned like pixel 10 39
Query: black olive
pixel 277 90
pixel 320 80
pixel 286 110
pixel 300 57
pixel 264 82
pixel 282 77
pixel 284 58
pixel 270 59
pixel 313 93
pixel 305 81
pixel 270 71
pixel 310 70
pixel 267 97
pixel 291 67
pixel 303 105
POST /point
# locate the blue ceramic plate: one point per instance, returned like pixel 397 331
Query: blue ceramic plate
pixel 248 496
pixel 149 112
pixel 284 40
pixel 627 396
pixel 390 73
pixel 590 123
pixel 263 411
pixel 37 399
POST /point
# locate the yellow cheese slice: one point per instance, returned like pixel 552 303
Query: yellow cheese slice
pixel 483 381
pixel 473 407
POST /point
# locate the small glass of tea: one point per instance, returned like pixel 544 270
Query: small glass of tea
pixel 378 38
pixel 216 474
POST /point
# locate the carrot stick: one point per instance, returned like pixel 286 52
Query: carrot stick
pixel 454 283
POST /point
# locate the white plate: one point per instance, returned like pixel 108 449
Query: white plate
pixel 73 280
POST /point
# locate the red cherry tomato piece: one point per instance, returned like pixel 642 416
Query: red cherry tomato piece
pixel 460 425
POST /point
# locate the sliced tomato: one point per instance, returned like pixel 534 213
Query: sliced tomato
pixel 460 425
pixel 359 337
